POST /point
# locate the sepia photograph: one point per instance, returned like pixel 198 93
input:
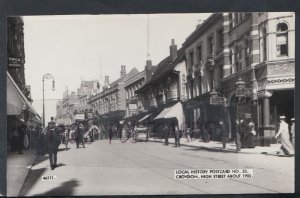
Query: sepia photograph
pixel 150 104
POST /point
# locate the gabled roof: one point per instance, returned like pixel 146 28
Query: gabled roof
pixel 132 73
pixel 165 67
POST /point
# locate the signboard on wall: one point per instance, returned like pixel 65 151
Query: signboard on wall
pixel 79 117
pixel 14 62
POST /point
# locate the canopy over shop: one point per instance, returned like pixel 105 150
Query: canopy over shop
pixel 17 103
pixel 175 111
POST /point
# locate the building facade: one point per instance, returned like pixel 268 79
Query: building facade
pixel 165 87
pixel 262 52
pixel 109 105
pixel 255 49
pixel 204 52
pixel 133 102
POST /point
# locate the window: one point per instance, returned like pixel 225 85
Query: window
pixel 192 88
pixel 238 58
pixel 192 58
pixel 264 44
pixel 236 19
pixel 230 21
pixel 199 52
pixel 221 74
pixel 210 46
pixel 211 79
pixel 220 39
pixel 282 39
pixel 247 50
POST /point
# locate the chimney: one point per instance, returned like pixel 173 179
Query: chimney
pixel 106 80
pixel 123 70
pixel 173 50
pixel 148 70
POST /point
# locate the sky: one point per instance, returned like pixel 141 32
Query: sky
pixel 87 47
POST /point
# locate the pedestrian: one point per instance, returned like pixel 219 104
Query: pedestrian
pixel 224 133
pixel 53 140
pixel 177 135
pixel 243 128
pixel 292 131
pixel 188 134
pixel 287 147
pixel 79 135
pixel 111 132
pixel 166 131
pixel 21 134
pixel 238 136
pixel 249 133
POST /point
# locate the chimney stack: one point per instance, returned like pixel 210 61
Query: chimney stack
pixel 173 50
pixel 123 70
pixel 106 80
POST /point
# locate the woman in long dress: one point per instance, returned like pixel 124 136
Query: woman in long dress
pixel 287 147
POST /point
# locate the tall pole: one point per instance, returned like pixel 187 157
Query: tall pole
pixel 43 104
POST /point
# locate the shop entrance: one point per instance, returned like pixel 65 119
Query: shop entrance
pixel 281 103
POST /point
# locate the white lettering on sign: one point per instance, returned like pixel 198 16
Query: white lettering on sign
pixel 213 173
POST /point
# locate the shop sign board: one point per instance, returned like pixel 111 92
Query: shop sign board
pixel 79 117
pixel 14 62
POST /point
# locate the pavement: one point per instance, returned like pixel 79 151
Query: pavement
pixel 147 168
pixel 18 167
pixel 218 146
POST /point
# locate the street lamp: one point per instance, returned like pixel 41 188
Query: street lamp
pixel 47 76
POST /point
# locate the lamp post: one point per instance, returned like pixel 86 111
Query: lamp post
pixel 47 76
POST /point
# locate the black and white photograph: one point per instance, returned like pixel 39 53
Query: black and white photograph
pixel 150 104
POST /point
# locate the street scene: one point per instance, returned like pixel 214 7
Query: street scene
pixel 130 105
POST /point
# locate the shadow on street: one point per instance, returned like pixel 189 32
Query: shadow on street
pixel 36 175
pixel 66 189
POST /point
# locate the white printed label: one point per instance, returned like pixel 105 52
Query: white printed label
pixel 48 177
pixel 213 173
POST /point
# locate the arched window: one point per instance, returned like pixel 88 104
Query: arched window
pixel 282 39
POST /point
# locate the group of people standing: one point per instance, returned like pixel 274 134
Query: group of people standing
pixel 172 129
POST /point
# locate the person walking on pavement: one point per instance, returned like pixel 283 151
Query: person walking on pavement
pixel 166 131
pixel 292 131
pixel 224 133
pixel 52 141
pixel 177 135
pixel 287 147
pixel 21 134
pixel 79 135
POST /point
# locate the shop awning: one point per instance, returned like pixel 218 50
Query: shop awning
pixel 145 117
pixel 175 111
pixel 15 98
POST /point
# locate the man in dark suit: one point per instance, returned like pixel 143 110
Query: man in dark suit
pixel 79 133
pixel 53 141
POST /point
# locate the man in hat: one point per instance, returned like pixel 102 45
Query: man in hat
pixel 293 131
pixel 79 135
pixel 52 140
pixel 287 147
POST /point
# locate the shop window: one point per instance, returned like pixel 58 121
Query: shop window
pixel 282 39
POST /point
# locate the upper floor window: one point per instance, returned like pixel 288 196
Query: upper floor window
pixel 199 52
pixel 220 39
pixel 211 79
pixel 210 42
pixel 264 44
pixel 282 39
pixel 191 54
pixel 230 20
